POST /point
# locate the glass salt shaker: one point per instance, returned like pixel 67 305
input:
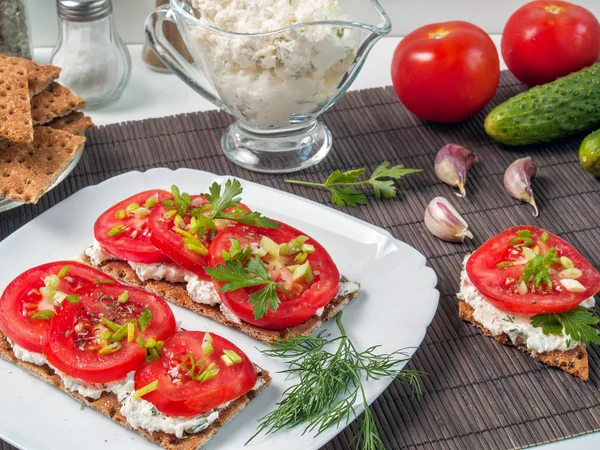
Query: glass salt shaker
pixel 95 63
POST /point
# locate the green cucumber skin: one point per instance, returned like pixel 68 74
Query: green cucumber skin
pixel 552 111
pixel 591 146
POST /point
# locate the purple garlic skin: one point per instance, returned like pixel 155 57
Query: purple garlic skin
pixel 452 165
pixel 444 222
pixel 517 181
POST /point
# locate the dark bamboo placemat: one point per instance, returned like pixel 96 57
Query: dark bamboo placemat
pixel 478 393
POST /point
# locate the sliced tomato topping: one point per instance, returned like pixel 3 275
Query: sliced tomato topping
pixel 22 299
pixel 89 340
pixel 122 230
pixel 302 298
pixel 520 270
pixel 188 246
pixel 179 372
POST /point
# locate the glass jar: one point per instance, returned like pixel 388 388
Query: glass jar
pixel 15 38
pixel 95 63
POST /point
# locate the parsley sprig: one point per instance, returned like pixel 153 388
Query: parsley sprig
pixel 577 323
pixel 236 276
pixel 342 185
pixel 537 268
pixel 330 383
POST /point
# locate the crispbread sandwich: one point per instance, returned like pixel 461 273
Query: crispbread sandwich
pixel 528 288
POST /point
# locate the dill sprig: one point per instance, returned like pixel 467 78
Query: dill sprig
pixel 331 384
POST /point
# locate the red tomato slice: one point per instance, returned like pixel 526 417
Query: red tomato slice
pixel 500 285
pixel 172 244
pixel 133 243
pixel 178 394
pixel 22 299
pixel 74 339
pixel 293 309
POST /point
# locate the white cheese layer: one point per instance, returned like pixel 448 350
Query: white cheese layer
pixel 97 254
pixel 517 326
pixel 202 291
pixel 160 271
pixel 27 356
pixel 94 390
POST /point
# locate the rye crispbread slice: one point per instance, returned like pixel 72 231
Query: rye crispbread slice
pixel 74 123
pixel 15 112
pixel 55 101
pixel 28 170
pixel 109 405
pixel 574 361
pixel 38 77
pixel 176 293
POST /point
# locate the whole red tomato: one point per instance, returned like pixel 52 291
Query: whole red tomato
pixel 446 72
pixel 544 40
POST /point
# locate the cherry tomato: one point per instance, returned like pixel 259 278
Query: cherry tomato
pixel 22 299
pixel 76 344
pixel 178 394
pixel 496 266
pixel 304 298
pixel 446 72
pixel 544 40
pixel 173 244
pixel 125 234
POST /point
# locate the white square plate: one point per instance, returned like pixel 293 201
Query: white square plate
pixel 397 302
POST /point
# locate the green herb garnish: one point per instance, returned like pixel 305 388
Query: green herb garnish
pixel 145 319
pixel 577 323
pixel 43 314
pixel 73 299
pixel 63 272
pixel 341 184
pixel 331 383
pixel 145 390
pixel 537 268
pixel 236 276
pixel 236 253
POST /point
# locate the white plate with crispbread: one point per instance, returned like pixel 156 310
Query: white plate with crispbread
pixel 397 302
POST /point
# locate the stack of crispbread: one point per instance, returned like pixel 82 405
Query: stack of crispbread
pixel 41 130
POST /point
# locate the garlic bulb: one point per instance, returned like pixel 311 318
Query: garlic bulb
pixel 452 165
pixel 517 181
pixel 444 222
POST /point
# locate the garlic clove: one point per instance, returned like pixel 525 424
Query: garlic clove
pixel 517 181
pixel 444 222
pixel 452 165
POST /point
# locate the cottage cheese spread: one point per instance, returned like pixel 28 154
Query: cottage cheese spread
pixel 202 291
pixel 94 390
pixel 97 254
pixel 516 326
pixel 267 79
pixel 161 271
pixel 27 356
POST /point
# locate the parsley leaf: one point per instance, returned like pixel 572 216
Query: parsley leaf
pixel 230 196
pixel 236 276
pixel 342 185
pixel 577 323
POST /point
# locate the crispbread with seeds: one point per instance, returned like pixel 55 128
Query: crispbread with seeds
pixel 15 113
pixel 176 293
pixel 38 77
pixel 74 123
pixel 109 405
pixel 574 361
pixel 28 170
pixel 55 101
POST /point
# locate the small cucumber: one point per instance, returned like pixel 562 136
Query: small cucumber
pixel 552 111
pixel 589 154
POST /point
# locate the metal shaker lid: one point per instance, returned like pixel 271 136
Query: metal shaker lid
pixel 83 10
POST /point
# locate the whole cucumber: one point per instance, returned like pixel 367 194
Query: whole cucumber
pixel 552 111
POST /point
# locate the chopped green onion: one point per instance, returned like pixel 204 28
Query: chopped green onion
pixel 111 325
pixel 301 257
pixel 304 271
pixel 140 342
pixel 132 207
pixel 141 212
pixel 307 248
pixel 504 265
pixel 106 334
pixel 536 250
pixel 233 356
pixel 195 247
pixel 150 343
pixel 293 267
pixel 544 237
pixel 52 282
pixel 120 334
pixel 209 373
pixel 145 390
pixel 73 299
pixel 109 349
pixel 207 347
pixel 524 233
pixel 169 214
pixel 179 222
pixel 160 345
pixel 528 253
pixel 260 252
pixel 151 201
pixel 104 281
pixel 130 332
pixel 43 314
pixel 145 319
pixel 63 272
pixel 153 355
pixel 271 247
pixel 227 360
pixel 121 214
pixel 521 241
pixel 115 231
pixel 123 297
pixel 566 262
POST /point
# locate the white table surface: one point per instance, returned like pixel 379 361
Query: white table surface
pixel 152 94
